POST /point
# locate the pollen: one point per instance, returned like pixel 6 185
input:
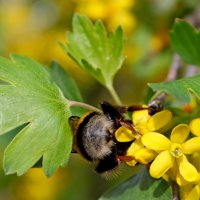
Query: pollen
pixel 176 150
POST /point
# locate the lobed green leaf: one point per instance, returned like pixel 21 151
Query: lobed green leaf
pixel 180 88
pixel 185 39
pixel 99 54
pixel 68 86
pixel 29 97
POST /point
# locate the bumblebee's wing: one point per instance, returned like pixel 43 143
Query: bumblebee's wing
pixel 73 122
pixel 111 112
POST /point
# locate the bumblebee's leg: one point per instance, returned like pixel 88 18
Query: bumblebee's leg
pixel 137 107
pixel 125 158
pixel 108 163
pixel 128 125
pixel 73 122
pixel 153 107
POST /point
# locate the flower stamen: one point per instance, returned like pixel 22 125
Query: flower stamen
pixel 176 150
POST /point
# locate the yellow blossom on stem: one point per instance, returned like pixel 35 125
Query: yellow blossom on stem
pixel 172 151
pixel 113 12
pixel 143 123
pixel 194 126
pixel 191 191
pixel 188 190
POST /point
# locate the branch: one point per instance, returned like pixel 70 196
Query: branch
pixel 157 102
pixel 175 191
pixel 174 69
pixel 191 71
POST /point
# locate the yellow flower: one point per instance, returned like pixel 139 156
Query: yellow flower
pixel 113 12
pixel 35 185
pixel 171 152
pixel 194 126
pixel 195 160
pixel 190 192
pixel 143 123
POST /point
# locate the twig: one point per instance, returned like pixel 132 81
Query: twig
pixel 175 191
pixel 174 69
pixel 157 102
pixel 191 71
pixel 194 18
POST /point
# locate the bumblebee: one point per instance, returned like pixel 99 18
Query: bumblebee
pixel 94 138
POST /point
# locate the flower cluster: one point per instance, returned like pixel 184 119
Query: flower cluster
pixel 111 12
pixel 174 156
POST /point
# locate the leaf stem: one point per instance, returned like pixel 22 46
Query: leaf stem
pixel 83 105
pixel 114 94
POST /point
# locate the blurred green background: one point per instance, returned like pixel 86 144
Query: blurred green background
pixel 34 28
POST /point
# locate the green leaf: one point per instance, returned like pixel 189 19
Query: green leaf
pixel 31 98
pixel 99 54
pixel 185 39
pixel 140 187
pixel 68 86
pixel 180 88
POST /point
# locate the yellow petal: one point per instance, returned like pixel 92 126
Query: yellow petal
pixel 166 177
pixel 140 117
pixel 142 128
pixel 195 160
pixel 123 134
pixel 136 145
pixel 195 126
pixel 192 145
pixel 187 170
pixel 144 155
pixel 131 163
pixel 180 180
pixel 189 192
pixel 180 133
pixel 194 193
pixel 173 171
pixel 162 163
pixel 159 120
pixel 156 141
